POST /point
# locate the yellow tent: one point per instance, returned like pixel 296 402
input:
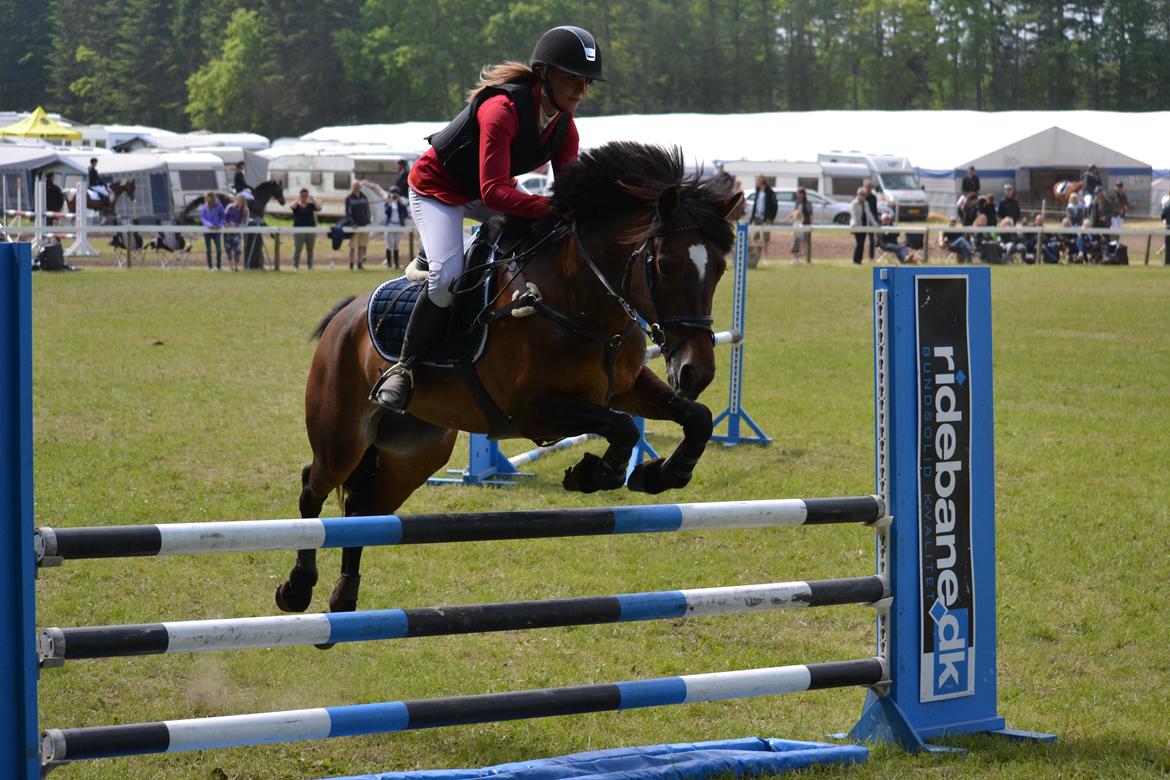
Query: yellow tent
pixel 39 125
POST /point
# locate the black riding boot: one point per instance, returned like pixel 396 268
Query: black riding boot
pixel 427 323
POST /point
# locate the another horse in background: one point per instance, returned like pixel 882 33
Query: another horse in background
pixel 641 240
pixel 1064 188
pixel 105 208
pixel 261 194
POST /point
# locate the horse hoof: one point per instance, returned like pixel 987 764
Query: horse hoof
pixel 591 475
pixel 290 599
pixel 647 478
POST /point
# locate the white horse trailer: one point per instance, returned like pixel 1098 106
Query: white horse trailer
pixel 328 174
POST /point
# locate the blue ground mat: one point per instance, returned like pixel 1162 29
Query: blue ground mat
pixel 748 757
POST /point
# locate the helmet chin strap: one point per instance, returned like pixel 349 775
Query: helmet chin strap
pixel 546 89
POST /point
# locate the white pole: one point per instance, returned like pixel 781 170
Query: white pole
pixel 80 246
pixel 38 242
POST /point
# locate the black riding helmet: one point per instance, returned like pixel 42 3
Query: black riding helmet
pixel 572 49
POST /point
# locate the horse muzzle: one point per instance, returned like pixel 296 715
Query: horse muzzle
pixel 691 367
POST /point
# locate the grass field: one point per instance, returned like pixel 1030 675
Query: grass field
pixel 176 396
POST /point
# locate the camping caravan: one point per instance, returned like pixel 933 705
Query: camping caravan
pixel 783 174
pixel 190 176
pixel 328 172
pixel 895 180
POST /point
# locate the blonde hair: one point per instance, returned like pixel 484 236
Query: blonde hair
pixel 495 75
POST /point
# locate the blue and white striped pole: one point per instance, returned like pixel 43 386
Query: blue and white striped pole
pixel 57 645
pixel 173 736
pixel 57 544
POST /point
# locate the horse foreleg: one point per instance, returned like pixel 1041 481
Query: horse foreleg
pixel 652 398
pixel 566 416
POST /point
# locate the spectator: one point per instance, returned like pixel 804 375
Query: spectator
pixel 988 209
pixel 888 242
pixel 54 198
pixel 1045 246
pixel 1166 222
pixel 1092 182
pixel 1010 241
pixel 1120 206
pixel 304 214
pixel 1100 209
pixel 211 215
pixel 985 243
pixel 857 211
pixel 970 210
pixel 871 216
pixel 957 243
pixel 235 215
pixel 396 216
pixel 402 182
pixel 801 214
pixel 357 211
pixel 1068 241
pixel 1089 244
pixel 763 211
pixel 95 184
pixel 970 181
pixel 1009 206
pixel 1075 211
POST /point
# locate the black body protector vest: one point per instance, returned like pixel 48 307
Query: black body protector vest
pixel 457 144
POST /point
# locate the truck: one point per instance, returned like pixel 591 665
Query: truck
pixel 895 181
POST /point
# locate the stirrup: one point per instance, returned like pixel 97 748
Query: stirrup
pixel 394 370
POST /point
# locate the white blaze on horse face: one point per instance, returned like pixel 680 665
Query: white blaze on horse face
pixel 698 253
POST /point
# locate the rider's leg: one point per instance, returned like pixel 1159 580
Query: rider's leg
pixel 440 227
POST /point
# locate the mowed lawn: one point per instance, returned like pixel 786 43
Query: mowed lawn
pixel 164 396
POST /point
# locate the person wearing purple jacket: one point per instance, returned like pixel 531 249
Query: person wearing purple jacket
pixel 211 214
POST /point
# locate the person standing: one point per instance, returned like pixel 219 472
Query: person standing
pixel 970 182
pixel 1009 206
pixel 764 211
pixel 304 214
pixel 871 216
pixel 357 211
pixel 54 198
pixel 235 215
pixel 403 180
pixel 801 215
pixel 1166 222
pixel 857 221
pixel 211 214
pixel 1120 206
pixel 1075 210
pixel 517 118
pixel 396 216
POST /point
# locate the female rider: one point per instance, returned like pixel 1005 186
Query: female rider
pixel 517 118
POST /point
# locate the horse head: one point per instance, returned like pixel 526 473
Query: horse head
pixel 683 256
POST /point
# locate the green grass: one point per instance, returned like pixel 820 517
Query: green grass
pixel 175 396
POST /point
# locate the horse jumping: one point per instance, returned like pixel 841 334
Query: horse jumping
pixel 647 242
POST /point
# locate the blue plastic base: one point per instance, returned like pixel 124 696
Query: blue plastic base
pixel 733 437
pixel 752 756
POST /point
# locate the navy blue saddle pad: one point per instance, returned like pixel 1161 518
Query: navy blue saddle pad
pixel 389 311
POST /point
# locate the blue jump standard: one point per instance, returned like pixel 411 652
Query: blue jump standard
pixel 353 720
pixel 57 544
pixel 285 630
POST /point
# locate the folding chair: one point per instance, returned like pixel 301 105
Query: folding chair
pixel 170 246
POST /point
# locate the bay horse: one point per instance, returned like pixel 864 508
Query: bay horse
pixel 646 241
pixel 117 189
pixel 1063 189
pixel 261 194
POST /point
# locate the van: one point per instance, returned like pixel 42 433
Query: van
pixel 895 182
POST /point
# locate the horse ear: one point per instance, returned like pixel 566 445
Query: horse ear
pixel 732 207
pixel 668 203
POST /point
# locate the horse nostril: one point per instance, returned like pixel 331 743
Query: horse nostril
pixel 693 379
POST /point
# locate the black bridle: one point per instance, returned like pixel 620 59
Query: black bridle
pixel 649 251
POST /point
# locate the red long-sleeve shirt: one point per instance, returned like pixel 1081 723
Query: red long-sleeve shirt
pixel 499 123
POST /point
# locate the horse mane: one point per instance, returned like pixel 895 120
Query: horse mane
pixel 621 177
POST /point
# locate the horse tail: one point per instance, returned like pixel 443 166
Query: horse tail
pixel 321 326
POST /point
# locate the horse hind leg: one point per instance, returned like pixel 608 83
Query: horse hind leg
pixel 296 593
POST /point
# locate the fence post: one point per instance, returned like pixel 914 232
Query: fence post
pixel 19 739
pixel 276 252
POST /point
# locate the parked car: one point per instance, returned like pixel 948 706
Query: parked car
pixel 824 211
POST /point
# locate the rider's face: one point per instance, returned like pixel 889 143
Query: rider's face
pixel 568 89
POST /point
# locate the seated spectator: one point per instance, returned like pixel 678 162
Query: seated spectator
pixel 989 209
pixel 1089 244
pixel 957 243
pixel 1045 246
pixel 1010 241
pixel 888 242
pixel 1068 241
pixel 985 243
